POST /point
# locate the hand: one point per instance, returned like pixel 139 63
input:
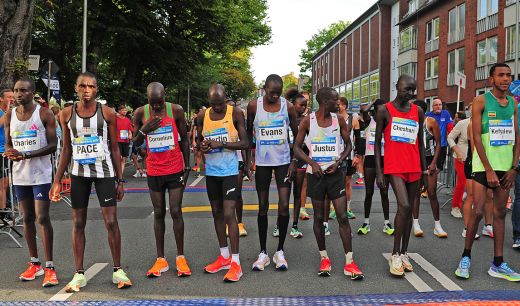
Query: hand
pixel 13 155
pixel 120 192
pixel 508 180
pixel 214 144
pixel 55 192
pixel 432 169
pixel 291 172
pixel 492 179
pixel 381 181
pixel 459 157
pixel 205 147
pixel 316 169
pixel 424 181
pixel 247 171
pixel 355 161
pixel 332 168
pixel 151 125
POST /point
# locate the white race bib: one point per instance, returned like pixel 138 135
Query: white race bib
pixel 324 149
pixel 404 130
pixel 161 140
pixel 372 136
pixel 272 132
pixel 26 141
pixel 501 132
pixel 220 135
pixel 87 150
pixel 123 134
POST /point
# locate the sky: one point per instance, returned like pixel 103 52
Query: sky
pixel 292 23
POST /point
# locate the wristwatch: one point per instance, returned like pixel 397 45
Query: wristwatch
pixel 224 143
pixel 26 155
pixel 118 180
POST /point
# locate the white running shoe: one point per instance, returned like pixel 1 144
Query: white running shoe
pixel 477 236
pixel 261 262
pixel 455 212
pixel 407 266
pixel 396 265
pixel 137 174
pixel 439 232
pixel 417 231
pixel 487 230
pixel 279 261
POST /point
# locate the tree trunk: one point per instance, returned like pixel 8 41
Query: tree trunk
pixel 16 18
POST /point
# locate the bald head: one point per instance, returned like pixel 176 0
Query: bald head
pixel 217 98
pixel 155 92
pixel 437 106
pixel 406 87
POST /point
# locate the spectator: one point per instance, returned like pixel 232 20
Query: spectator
pixel 443 118
pixel 460 152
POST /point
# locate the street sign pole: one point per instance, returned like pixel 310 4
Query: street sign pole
pixel 84 51
pixel 458 94
pixel 49 82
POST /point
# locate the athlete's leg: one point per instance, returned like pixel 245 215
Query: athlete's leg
pixel 413 193
pixel 114 235
pixel 175 197
pixel 263 177
pixel 479 200
pixel 304 191
pixel 385 202
pixel 240 202
pixel 403 210
pixel 488 208
pixel 29 228
pixel 468 203
pixel 159 213
pixel 319 230
pixel 460 185
pixel 284 193
pixel 44 221
pixel 79 220
pixel 345 231
pixel 432 195
pixel 217 210
pixel 231 221
pixel 348 190
pixel 370 178
pixel 499 215
pixel 297 194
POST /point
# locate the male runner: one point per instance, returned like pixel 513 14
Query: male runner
pixel 90 139
pixel 270 116
pixel 368 112
pixel 161 124
pixel 124 134
pixel 221 130
pixel 401 122
pixel 30 132
pixel 321 131
pixel 495 163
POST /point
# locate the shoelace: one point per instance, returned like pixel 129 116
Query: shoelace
pixel 504 266
pixel 464 263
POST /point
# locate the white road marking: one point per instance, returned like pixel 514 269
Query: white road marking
pixel 434 272
pixel 413 278
pixel 89 274
pixel 196 181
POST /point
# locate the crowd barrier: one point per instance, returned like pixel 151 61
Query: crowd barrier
pixel 10 212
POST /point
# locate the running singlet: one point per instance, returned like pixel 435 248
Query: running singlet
pixel 28 136
pixel 124 129
pixel 164 153
pixel 429 140
pixel 348 120
pixel 498 134
pixel 89 138
pixel 324 143
pixel 401 145
pixel 272 146
pixel 370 136
pixel 221 162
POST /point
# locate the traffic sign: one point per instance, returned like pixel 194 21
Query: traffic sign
pixel 34 62
pixel 460 79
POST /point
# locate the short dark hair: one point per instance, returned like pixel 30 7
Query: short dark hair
pixel 324 93
pixel 291 94
pixel 273 78
pixel 495 66
pixel 462 115
pixel 2 93
pixel 25 79
pixel 343 101
pixel 86 74
pixel 120 107
pixel 422 105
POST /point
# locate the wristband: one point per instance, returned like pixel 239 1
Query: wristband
pixel 118 180
pixel 142 133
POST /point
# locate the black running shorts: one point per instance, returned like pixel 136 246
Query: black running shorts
pixel 223 188
pixel 80 188
pixel 263 175
pixel 331 185
pixel 163 182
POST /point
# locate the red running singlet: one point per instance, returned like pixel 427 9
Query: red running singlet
pixel 401 142
pixel 164 153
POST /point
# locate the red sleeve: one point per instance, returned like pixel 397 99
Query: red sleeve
pixel 449 128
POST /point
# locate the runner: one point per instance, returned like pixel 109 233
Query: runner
pixel 219 128
pixel 124 132
pixel 495 164
pixel 322 131
pixel 432 150
pixel 30 132
pixel 90 139
pixel 401 121
pixel 368 112
pixel 270 116
pixel 162 124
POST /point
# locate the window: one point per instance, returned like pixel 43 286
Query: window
pixel 374 86
pixel 486 8
pixel 407 39
pixel 432 29
pixel 429 101
pixel 481 91
pixel 456 23
pixel 365 83
pixel 410 69
pixel 356 87
pixel 487 51
pixel 455 64
pixel 510 43
pixel 349 91
pixel 412 6
pixel 432 73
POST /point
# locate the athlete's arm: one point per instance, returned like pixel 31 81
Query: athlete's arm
pixel 50 132
pixel 293 123
pixel 382 119
pixel 199 139
pixel 454 134
pixel 433 127
pixel 239 122
pixel 65 155
pixel 180 121
pixel 420 139
pixel 508 180
pixel 298 151
pixel 476 118
pixel 251 114
pixel 8 141
pixel 345 135
pixel 138 138
pixel 110 117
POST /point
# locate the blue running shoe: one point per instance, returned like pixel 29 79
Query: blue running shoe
pixel 504 271
pixel 463 269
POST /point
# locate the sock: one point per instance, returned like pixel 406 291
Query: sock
pixel 348 204
pixel 262 232
pixel 367 221
pixel 283 224
pixel 295 225
pixel 415 222
pixel 235 258
pixel 323 254
pixel 466 253
pixel 35 260
pixel 438 224
pixel 348 258
pixel 488 225
pixel 326 224
pixel 498 260
pixel 387 222
pixel 182 256
pixel 80 271
pixel 49 264
pixel 224 252
pixel 116 268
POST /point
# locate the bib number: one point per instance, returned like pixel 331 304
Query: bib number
pixel 220 135
pixel 161 140
pixel 404 130
pixel 123 134
pixel 324 149
pixel 26 141
pixel 87 150
pixel 272 132
pixel 501 132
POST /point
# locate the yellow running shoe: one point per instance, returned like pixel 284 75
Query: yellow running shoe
pixel 78 281
pixel 119 277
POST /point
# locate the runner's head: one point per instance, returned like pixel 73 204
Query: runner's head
pixel 327 99
pixel 217 98
pixel 155 94
pixel 230 102
pixel 24 91
pixel 500 76
pixel 437 106
pixel 6 98
pixel 421 104
pixel 291 93
pixel 122 110
pixel 406 86
pixel 86 87
pixel 342 105
pixel 273 88
pixel 460 116
pixel 300 104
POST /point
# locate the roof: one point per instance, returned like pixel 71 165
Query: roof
pixel 424 7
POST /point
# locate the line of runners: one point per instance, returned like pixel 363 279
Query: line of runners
pixel 322 153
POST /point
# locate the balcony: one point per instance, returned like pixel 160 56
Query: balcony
pixel 432 45
pixel 487 23
pixel 510 56
pixel 481 73
pixel 455 36
pixel 430 84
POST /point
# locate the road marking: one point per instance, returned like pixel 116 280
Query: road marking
pixel 89 274
pixel 248 207
pixel 434 272
pixel 413 278
pixel 196 181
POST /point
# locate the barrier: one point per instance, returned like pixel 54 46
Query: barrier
pixel 11 214
pixel 447 177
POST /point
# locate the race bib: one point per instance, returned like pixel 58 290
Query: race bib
pixel 219 134
pixel 501 132
pixel 272 132
pixel 123 134
pixel 87 150
pixel 324 149
pixel 291 137
pixel 404 130
pixel 372 136
pixel 26 141
pixel 161 140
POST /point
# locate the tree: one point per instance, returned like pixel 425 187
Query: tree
pixel 289 81
pixel 15 39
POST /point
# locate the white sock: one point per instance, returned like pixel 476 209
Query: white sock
pixel 235 258
pixel 348 204
pixel 325 223
pixel 35 259
pixel 367 220
pixel 323 254
pixel 49 264
pixel 415 222
pixel 348 258
pixel 224 252
pixel 438 224
pixel 180 256
pixel 387 222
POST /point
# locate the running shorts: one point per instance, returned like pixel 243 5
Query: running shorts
pixel 124 148
pixel 263 175
pixel 223 188
pixel 36 192
pixel 80 188
pixel 370 162
pixel 468 169
pixel 162 182
pixel 347 168
pixel 409 177
pixel 480 177
pixel 331 185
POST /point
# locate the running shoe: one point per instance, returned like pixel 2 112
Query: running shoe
pixel 279 261
pixel 137 174
pixel 303 214
pixel 424 194
pixel 477 236
pixel 396 265
pixel 516 244
pixel 241 230
pixel 350 214
pixel 220 264
pixel 364 229
pixel 32 271
pixel 463 268
pixel 296 233
pixel 121 279
pixel 455 212
pixel 78 281
pixel 182 267
pixel 327 230
pixel 353 271
pixel 388 229
pixel 407 266
pixel 360 181
pixel 234 274
pixel 417 231
pixel 332 214
pixel 261 262
pixel 50 278
pixel 160 266
pixel 276 232
pixel 143 174
pixel 504 271
pixel 245 178
pixel 487 230
pixel 324 267
pixel 440 233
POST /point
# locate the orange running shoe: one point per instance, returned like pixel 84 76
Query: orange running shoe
pixel 234 274
pixel 324 267
pixel 182 267
pixel 353 271
pixel 32 271
pixel 160 266
pixel 50 278
pixel 220 264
